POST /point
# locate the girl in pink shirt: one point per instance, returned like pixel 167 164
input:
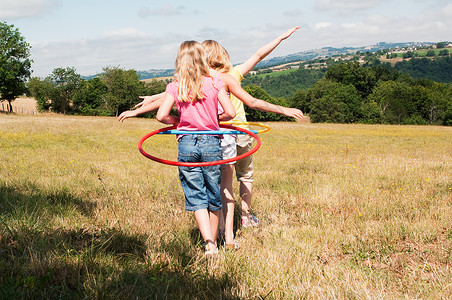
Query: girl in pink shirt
pixel 196 95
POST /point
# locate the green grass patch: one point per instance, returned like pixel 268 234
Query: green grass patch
pixel 276 73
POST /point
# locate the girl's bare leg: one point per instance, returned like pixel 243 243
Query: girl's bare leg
pixel 227 198
pixel 246 189
pixel 203 217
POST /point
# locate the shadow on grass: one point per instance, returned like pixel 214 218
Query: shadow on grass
pixel 39 262
pixel 20 200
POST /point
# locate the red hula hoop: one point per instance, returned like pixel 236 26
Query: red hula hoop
pixel 198 164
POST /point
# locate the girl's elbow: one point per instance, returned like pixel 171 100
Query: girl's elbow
pixel 253 103
pixel 159 117
pixel 227 116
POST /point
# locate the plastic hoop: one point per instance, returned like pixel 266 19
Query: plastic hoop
pixel 198 164
pixel 266 127
pixel 205 132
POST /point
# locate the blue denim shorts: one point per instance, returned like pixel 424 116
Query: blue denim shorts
pixel 201 185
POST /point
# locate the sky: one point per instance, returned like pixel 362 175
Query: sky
pixel 89 35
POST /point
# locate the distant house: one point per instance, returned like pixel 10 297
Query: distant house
pixel 349 57
pixel 316 65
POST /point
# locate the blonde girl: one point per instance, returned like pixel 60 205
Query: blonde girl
pixel 197 95
pixel 218 59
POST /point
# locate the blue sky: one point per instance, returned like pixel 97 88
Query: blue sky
pixel 137 34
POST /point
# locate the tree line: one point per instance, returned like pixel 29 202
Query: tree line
pixel 345 93
pixel 350 93
pixel 438 69
pixel 112 92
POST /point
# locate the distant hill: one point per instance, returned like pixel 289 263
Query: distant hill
pixel 155 73
pixel 149 74
pixel 297 57
pixel 331 52
pixel 283 79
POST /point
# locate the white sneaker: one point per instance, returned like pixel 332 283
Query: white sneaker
pixel 212 253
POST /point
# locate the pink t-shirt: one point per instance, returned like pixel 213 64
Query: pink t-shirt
pixel 201 114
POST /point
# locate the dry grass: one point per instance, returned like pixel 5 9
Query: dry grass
pixel 22 105
pixel 347 211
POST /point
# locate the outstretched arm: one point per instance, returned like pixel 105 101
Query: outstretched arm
pixel 235 88
pixel 260 54
pixel 149 99
pixel 142 110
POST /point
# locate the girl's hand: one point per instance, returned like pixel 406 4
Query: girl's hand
pixel 146 100
pixel 126 114
pixel 289 32
pixel 293 112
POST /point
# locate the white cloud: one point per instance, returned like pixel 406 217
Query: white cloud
pixel 144 12
pixel 241 45
pixel 14 9
pixel 349 25
pixel 127 48
pixel 346 6
pixel 431 24
pixel 128 32
pixel 211 33
pixel 293 13
pixel 322 25
pixel 167 10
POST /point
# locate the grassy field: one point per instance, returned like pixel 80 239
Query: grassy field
pixel 276 73
pixel 347 211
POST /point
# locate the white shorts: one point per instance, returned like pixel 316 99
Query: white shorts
pixel 228 147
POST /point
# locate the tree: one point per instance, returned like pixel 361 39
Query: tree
pixel 88 99
pixel 15 65
pixel 430 53
pixel 395 100
pixel 371 113
pixel 257 115
pixel 363 79
pixel 42 91
pixel 57 90
pixel 123 88
pixel 67 82
pixel 334 102
pixel 443 52
pixel 407 54
pixel 432 100
pixel 155 86
pixel 299 100
pixel 441 45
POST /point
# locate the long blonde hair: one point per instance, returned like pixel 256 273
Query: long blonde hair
pixel 217 57
pixel 191 67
